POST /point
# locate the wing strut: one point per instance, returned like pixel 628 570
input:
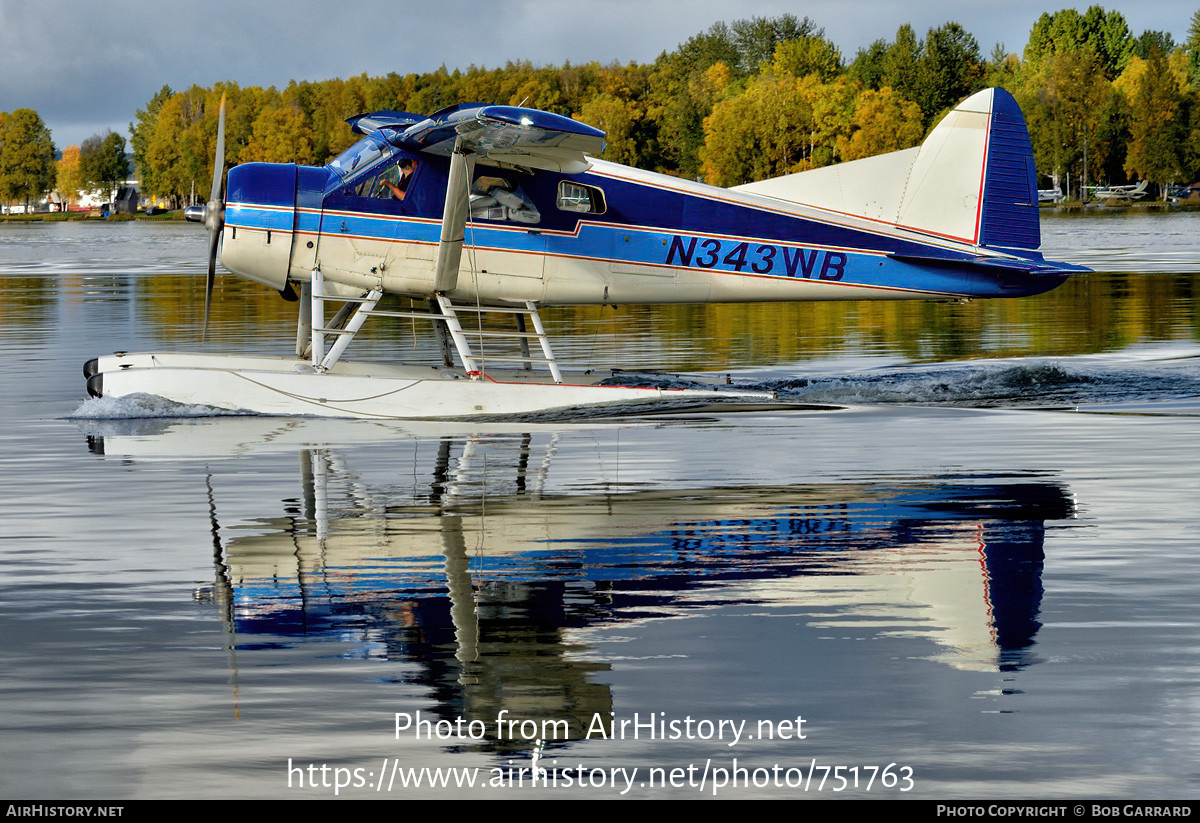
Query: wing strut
pixel 454 219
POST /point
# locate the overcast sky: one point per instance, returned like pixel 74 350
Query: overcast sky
pixel 87 66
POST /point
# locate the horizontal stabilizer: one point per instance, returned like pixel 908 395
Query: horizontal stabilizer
pixel 972 179
pixel 1025 265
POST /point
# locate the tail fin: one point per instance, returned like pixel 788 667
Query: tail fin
pixel 973 179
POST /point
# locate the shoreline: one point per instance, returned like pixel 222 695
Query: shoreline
pixel 1069 207
pixel 1096 205
pixel 76 216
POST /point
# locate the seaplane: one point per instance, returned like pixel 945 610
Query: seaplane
pixel 1121 194
pixel 482 215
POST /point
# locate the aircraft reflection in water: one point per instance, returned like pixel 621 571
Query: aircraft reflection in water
pixel 475 573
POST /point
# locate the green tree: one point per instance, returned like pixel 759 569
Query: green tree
pixel 679 100
pixel 1002 69
pixel 27 166
pixel 950 68
pixel 1105 33
pixel 1193 49
pixel 757 39
pixel 1115 37
pixel 102 163
pixel 867 68
pixel 900 62
pixel 1150 40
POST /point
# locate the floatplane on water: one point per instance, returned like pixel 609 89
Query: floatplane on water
pixel 496 211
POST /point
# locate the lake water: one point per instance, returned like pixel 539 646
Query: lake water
pixel 976 579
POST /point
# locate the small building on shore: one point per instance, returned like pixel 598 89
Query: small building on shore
pixel 126 201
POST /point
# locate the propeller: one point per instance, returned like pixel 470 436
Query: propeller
pixel 212 215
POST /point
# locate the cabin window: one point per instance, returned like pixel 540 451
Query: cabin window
pixel 497 198
pixel 579 198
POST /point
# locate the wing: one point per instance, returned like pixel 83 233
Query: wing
pixel 506 134
pixel 472 132
pixel 375 121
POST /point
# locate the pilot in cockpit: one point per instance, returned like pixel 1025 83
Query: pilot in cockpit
pixel 397 190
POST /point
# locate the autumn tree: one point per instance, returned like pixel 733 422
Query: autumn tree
pixel 1067 102
pixel 760 134
pixel 785 124
pixel 808 55
pixel 617 119
pixel 140 133
pixel 68 176
pixel 280 135
pixel 882 122
pixel 1155 147
pixel 664 116
pixel 173 152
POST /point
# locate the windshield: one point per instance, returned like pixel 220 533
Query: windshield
pixel 358 157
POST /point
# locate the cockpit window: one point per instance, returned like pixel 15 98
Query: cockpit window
pixel 390 183
pixel 358 157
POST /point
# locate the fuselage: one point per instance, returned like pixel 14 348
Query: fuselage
pixel 610 235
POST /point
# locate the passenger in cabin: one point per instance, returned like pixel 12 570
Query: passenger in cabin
pixel 398 188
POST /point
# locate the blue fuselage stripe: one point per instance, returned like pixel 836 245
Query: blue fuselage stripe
pixel 646 224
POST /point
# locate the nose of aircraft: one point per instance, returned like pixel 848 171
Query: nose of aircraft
pixel 260 222
pixel 262 184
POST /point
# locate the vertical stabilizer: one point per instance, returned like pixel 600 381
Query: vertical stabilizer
pixel 1010 204
pixel 972 179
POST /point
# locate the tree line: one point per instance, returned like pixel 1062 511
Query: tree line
pixel 740 102
pixel 29 169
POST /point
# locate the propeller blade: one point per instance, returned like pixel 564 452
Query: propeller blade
pixel 219 164
pixel 214 216
pixel 209 279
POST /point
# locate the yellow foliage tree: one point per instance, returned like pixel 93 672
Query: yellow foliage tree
pixel 882 122
pixel 69 178
pixel 616 119
pixel 280 135
pixel 808 55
